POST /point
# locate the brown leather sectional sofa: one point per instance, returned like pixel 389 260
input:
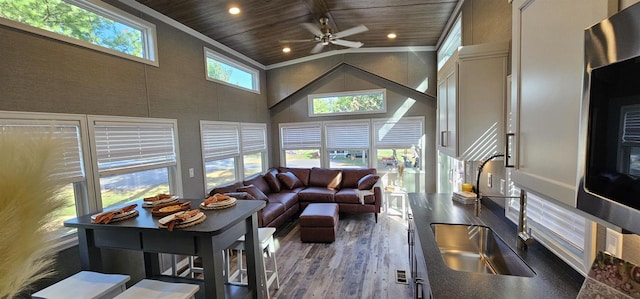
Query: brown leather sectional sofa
pixel 288 191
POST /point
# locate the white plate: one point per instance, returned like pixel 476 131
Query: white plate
pixel 165 220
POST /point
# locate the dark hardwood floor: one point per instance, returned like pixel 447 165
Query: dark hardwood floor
pixel 361 263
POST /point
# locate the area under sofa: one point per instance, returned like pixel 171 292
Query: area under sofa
pixel 353 189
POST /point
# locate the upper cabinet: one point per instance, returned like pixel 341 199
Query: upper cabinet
pixel 471 101
pixel 547 70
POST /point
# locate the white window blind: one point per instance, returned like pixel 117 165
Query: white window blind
pixel 254 138
pixel 301 136
pixel 347 135
pixel 563 224
pixel 219 140
pixel 401 133
pixel 631 125
pixel 133 146
pixel 67 132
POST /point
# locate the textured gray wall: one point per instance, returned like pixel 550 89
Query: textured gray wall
pixel 43 75
pixel 485 21
pixel 406 70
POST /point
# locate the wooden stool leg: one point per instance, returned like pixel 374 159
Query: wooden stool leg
pixel 275 271
pixel 272 252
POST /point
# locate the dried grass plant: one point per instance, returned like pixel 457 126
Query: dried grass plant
pixel 29 193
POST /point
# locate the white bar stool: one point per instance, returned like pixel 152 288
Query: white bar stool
pixel 265 237
pixel 155 289
pixel 85 284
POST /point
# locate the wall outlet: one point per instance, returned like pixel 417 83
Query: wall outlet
pixel 503 186
pixel 614 243
pixel 191 173
pixel 489 180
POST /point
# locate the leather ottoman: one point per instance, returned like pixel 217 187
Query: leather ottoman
pixel 319 223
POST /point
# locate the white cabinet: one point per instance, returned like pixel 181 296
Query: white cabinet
pixel 547 70
pixel 471 101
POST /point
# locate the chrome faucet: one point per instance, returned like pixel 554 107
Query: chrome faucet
pixel 477 187
pixel 523 239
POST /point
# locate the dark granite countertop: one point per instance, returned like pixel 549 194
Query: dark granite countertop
pixel 553 279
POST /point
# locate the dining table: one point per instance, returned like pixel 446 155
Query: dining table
pixel 207 240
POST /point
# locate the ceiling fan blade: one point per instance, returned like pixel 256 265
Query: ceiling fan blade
pixel 317 48
pixel 346 43
pixel 351 31
pixel 313 29
pixel 286 41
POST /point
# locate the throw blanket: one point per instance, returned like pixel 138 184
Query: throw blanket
pixel 362 193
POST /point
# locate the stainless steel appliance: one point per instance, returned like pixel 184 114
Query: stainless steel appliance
pixel 610 186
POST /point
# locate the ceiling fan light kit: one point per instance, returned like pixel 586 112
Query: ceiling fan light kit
pixel 323 36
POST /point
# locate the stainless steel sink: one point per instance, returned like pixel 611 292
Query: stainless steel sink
pixel 476 248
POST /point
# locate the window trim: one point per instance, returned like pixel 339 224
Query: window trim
pixel 209 53
pixel 311 97
pixel 84 202
pixel 322 143
pixel 148 29
pixel 174 171
pixel 456 30
pixel 238 159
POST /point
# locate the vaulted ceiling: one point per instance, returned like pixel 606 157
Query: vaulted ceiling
pixel 257 31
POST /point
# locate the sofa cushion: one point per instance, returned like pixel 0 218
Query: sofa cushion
pixel 271 211
pixel 301 173
pixel 316 194
pixel 240 195
pixel 289 180
pixel 351 176
pixel 367 181
pixel 254 191
pixel 325 177
pixel 272 180
pixel 349 195
pixel 258 181
pixel 288 199
pixel 231 187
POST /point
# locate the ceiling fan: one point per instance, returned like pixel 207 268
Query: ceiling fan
pixel 324 36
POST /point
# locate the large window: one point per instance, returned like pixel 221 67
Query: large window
pixel 301 144
pixel 350 102
pixel 227 71
pixel 70 129
pixel 254 146
pixel 136 158
pixel 88 23
pixel 398 143
pixel 347 143
pixel 232 151
pixel 384 144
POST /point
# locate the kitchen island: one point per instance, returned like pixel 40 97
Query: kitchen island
pixel 553 278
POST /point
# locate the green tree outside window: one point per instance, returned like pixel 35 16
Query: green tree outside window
pixel 69 20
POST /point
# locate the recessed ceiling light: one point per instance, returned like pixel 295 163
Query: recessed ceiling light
pixel 234 10
pixel 286 49
pixel 391 35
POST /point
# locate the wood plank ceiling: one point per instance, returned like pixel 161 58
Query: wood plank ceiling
pixel 257 30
